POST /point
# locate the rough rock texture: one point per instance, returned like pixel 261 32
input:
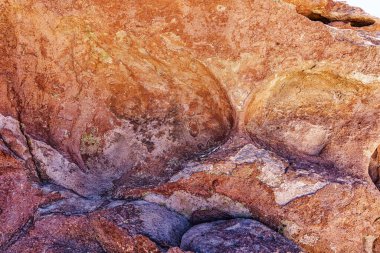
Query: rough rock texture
pixel 238 235
pixel 58 233
pixel 336 14
pixel 264 109
pixel 119 227
pixel 374 167
pixel 105 101
pixel 161 225
pixel 19 199
pixel 319 210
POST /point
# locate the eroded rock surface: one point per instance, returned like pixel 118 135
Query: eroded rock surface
pixel 301 200
pixel 118 227
pixel 139 217
pixel 336 14
pixel 214 110
pixel 237 235
pixel 121 110
pixel 19 198
pixel 374 167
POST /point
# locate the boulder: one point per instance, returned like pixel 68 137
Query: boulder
pixel 237 235
pixel 119 227
pixel 161 225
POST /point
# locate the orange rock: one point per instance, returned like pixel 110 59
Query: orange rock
pixel 128 96
pixel 329 11
pixel 217 109
pixel 319 208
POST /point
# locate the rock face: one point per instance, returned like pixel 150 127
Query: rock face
pixel 374 167
pixel 124 123
pixel 161 225
pixel 119 227
pixel 19 200
pixel 238 235
pixel 305 201
pixel 117 106
pixel 336 13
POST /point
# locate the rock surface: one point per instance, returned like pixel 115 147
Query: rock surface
pixel 318 210
pixel 119 227
pixel 139 217
pixel 213 109
pixel 336 14
pixel 19 199
pixel 238 235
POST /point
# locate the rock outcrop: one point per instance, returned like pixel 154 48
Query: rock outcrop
pixel 239 235
pixel 125 123
pixel 305 202
pixel 118 227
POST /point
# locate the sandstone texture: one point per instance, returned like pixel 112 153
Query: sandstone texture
pixel 189 126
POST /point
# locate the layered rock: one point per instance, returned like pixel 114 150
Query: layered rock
pixel 319 210
pixel 218 109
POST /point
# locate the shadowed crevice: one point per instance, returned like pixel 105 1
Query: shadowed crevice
pixel 352 22
pixel 374 167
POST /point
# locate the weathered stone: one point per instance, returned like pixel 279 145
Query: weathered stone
pixel 374 167
pixel 58 233
pixel 177 250
pixel 139 217
pixel 120 105
pixel 114 239
pixel 125 102
pixel 68 202
pixel 317 116
pixel 120 227
pixel 19 198
pixel 337 14
pixel 216 109
pixel 237 235
pixel 311 206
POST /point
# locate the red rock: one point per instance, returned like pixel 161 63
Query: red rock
pixel 135 218
pixel 104 99
pixel 118 105
pixel 374 167
pixel 118 228
pixel 19 199
pixel 318 210
pixel 114 239
pixel 290 120
pixel 8 44
pixel 58 233
pixel 136 99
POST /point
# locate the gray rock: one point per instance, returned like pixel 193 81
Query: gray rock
pixel 161 225
pixel 236 236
